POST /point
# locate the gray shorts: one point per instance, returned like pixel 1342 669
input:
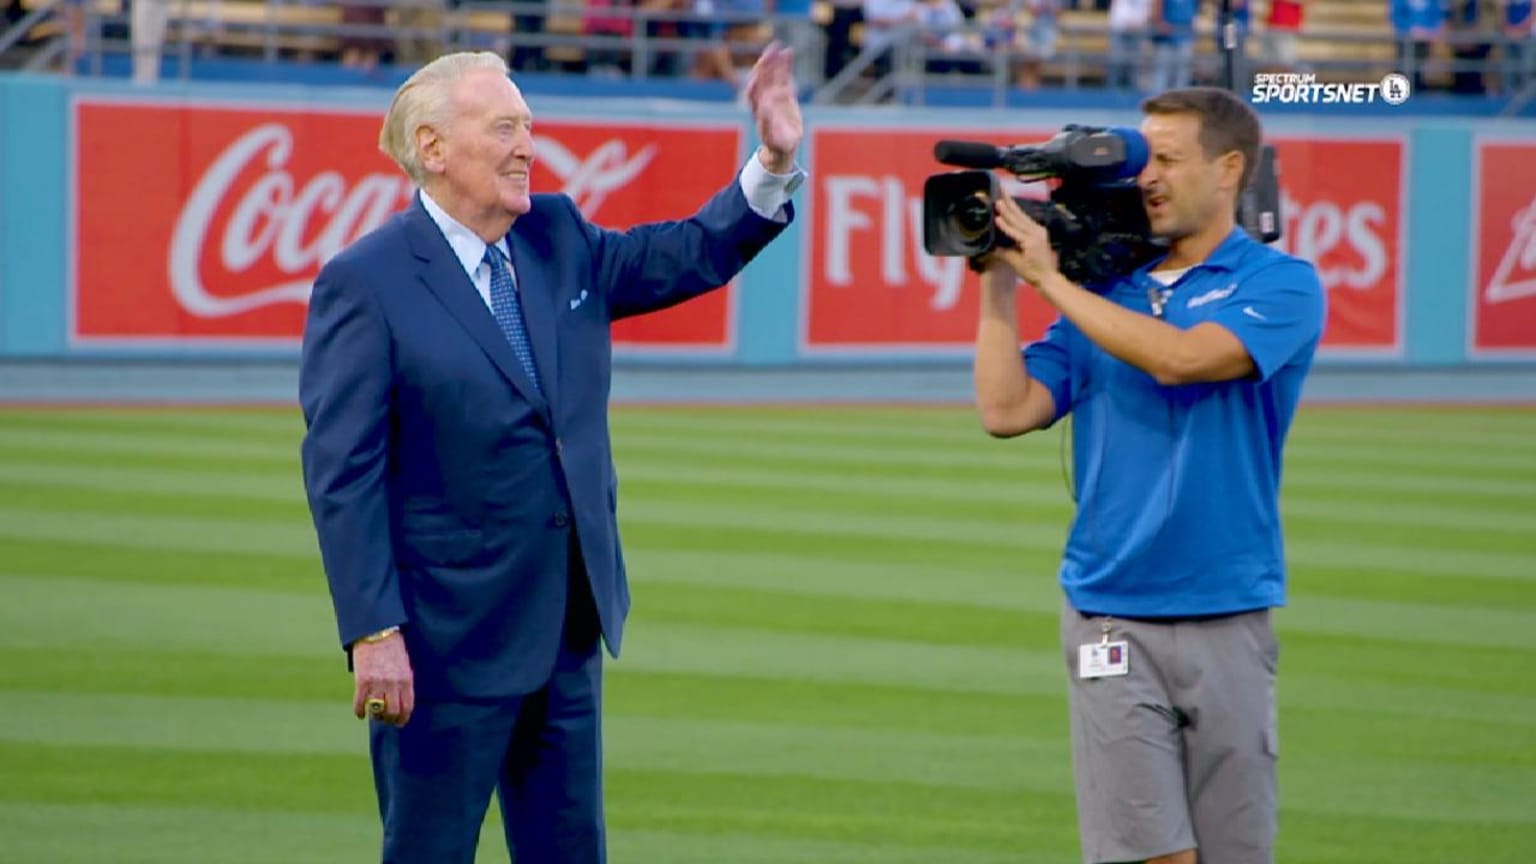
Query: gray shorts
pixel 1180 753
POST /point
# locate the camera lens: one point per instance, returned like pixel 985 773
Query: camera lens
pixel 972 215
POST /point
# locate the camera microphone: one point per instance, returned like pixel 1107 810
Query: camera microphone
pixel 1113 153
pixel 970 154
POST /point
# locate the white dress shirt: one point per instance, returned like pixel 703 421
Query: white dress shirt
pixel 766 194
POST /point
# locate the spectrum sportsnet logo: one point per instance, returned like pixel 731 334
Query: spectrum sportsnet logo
pixel 1288 88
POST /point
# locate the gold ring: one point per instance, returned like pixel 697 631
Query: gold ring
pixel 375 706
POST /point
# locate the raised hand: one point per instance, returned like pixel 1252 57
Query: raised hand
pixel 776 107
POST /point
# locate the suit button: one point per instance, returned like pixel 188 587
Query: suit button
pixel 561 520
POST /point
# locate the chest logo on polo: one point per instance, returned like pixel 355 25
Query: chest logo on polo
pixel 1211 296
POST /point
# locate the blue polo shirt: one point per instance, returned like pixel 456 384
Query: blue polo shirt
pixel 1178 487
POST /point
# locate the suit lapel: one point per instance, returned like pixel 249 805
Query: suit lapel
pixel 540 309
pixel 442 274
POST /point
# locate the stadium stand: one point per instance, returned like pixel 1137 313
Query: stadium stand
pixel 666 40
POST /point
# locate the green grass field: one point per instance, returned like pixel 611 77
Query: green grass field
pixel 843 647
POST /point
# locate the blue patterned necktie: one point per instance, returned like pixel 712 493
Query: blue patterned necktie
pixel 509 313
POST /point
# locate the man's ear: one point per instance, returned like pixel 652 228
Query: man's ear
pixel 1232 164
pixel 429 147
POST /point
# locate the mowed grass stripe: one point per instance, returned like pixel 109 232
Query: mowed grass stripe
pixel 1330 430
pixel 729 806
pixel 180 446
pixel 1508 428
pixel 853 704
pixel 1482 789
pixel 631 742
pixel 253 423
pixel 212 502
pixel 190 620
pixel 657 646
pixel 233 675
pixel 1435 422
pixel 1045 468
pixel 644 431
pixel 230 494
pixel 1013 624
pixel 1474 430
pixel 723 526
pixel 286 488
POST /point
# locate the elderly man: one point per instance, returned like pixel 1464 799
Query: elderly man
pixel 454 382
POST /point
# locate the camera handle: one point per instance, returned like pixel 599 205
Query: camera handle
pixel 1258 206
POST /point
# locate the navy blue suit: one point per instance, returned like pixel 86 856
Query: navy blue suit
pixel 450 498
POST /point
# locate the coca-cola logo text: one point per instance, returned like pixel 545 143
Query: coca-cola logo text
pixel 298 223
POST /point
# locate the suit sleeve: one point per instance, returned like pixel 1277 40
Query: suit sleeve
pixel 661 264
pixel 344 389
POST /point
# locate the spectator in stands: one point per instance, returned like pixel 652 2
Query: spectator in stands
pixel 1128 21
pixel 888 23
pixel 1418 25
pixel 362 45
pixel 1039 41
pixel 1519 47
pixel 948 47
pixel 847 15
pixel 1173 43
pixel 1282 29
pixel 607 18
pixel 1472 42
pixel 794 27
pixel 146 31
pixel 528 55
pixel 418 25
pixel 741 31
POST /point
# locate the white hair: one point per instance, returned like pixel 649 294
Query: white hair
pixel 423 101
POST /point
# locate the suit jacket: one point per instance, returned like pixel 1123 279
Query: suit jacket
pixel 443 488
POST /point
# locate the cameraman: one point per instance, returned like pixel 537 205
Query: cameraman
pixel 1183 378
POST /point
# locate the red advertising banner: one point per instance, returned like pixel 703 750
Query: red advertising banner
pixel 870 285
pixel 1503 319
pixel 203 224
pixel 1344 210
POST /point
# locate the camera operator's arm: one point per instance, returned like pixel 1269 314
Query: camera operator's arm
pixel 1171 355
pixel 1009 400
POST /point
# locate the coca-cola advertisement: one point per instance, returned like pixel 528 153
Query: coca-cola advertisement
pixel 206 225
pixel 1504 241
pixel 870 284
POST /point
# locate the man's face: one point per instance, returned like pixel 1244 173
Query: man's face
pixel 487 147
pixel 1180 187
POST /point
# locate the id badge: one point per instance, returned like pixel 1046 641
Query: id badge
pixel 1103 659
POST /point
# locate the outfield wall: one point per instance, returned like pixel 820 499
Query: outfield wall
pixel 187 221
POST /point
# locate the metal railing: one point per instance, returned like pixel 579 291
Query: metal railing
pixel 900 68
